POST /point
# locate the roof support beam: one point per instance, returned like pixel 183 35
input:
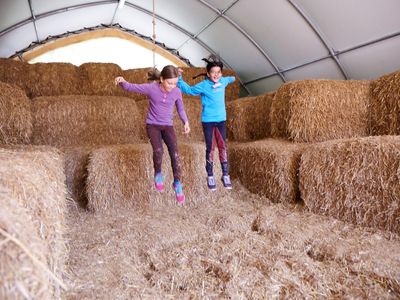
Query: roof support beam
pixel 242 31
pixel 33 20
pixel 359 46
pixel 193 37
pixel 54 12
pixel 320 35
pixel 134 6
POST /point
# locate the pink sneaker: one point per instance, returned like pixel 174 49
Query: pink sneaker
pixel 159 182
pixel 180 197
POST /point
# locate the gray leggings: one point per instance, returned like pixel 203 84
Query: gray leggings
pixel 157 134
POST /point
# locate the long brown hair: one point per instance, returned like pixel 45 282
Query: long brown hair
pixel 166 73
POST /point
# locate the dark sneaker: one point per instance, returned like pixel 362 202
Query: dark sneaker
pixel 226 180
pixel 211 183
pixel 180 197
pixel 159 182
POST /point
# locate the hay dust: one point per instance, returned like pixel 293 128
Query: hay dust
pixel 234 246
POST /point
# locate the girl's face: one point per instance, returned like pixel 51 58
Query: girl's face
pixel 215 74
pixel 168 84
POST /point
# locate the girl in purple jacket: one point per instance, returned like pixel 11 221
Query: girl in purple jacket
pixel 163 96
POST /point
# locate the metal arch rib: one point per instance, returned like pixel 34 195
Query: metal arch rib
pixel 356 47
pixel 184 31
pixel 242 31
pixel 139 8
pixel 314 27
pixel 54 12
pixel 33 20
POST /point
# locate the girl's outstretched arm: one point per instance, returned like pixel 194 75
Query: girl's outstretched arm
pixel 187 89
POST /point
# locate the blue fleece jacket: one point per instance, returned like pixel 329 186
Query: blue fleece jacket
pixel 212 97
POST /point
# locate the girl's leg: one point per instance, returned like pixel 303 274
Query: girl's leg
pixel 169 137
pixel 220 136
pixel 208 130
pixel 154 134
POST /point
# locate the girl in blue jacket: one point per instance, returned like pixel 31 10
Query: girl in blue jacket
pixel 213 117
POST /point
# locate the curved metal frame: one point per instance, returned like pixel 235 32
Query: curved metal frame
pixel 333 54
pixel 320 35
pixel 242 31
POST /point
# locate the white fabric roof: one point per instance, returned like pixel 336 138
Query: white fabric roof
pixel 267 42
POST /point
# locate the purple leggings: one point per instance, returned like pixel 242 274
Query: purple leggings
pixel 157 134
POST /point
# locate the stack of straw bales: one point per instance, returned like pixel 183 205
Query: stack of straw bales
pixel 385 105
pixel 84 120
pixel 356 180
pixel 320 110
pixel 53 79
pixel 15 115
pixel 268 168
pixel 249 118
pixel 32 223
pixel 122 176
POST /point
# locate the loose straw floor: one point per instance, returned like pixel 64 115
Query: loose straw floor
pixel 236 246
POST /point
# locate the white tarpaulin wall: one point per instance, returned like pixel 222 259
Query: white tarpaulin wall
pixel 267 42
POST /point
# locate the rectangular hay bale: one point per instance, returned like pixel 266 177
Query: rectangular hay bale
pixel 268 168
pixel 385 105
pixel 34 178
pixel 356 180
pixel 79 120
pixel 123 176
pixel 15 115
pixel 249 118
pixel 319 110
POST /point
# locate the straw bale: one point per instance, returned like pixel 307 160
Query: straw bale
pixel 13 72
pixel 122 176
pixel 52 79
pixel 385 105
pixel 249 118
pixel 22 274
pixel 135 76
pixel 320 110
pixel 75 168
pixel 268 168
pixel 355 180
pixel 142 107
pixel 232 90
pixel 237 246
pixel 193 110
pixel 15 115
pixel 84 120
pixel 34 176
pixel 98 79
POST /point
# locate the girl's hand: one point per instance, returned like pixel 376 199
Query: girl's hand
pixel 180 71
pixel 186 128
pixel 119 80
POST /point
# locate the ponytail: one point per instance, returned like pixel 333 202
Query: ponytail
pixel 212 61
pixel 153 74
pixel 166 73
